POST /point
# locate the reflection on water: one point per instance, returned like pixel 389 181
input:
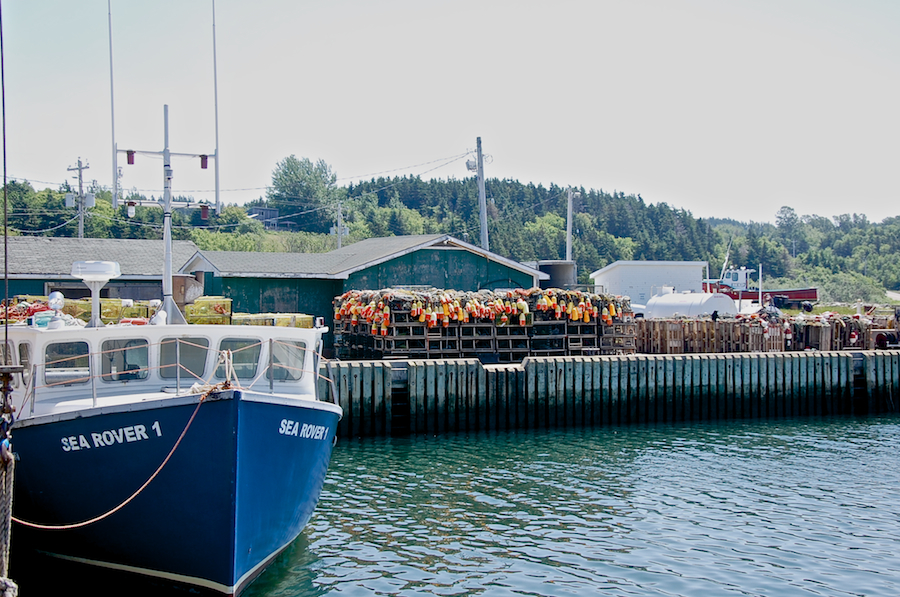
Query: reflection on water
pixel 743 508
pixel 798 507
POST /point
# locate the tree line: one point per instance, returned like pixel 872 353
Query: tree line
pixel 846 257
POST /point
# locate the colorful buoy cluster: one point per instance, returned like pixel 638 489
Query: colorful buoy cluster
pixel 441 308
pixel 22 310
pixel 580 306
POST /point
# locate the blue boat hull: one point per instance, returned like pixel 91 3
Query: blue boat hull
pixel 237 490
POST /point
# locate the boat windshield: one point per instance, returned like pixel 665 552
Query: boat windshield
pixel 287 360
pixel 189 351
pixel 67 363
pixel 25 361
pixel 6 352
pixel 125 360
pixel 244 357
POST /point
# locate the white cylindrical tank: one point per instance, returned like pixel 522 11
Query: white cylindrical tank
pixel 689 304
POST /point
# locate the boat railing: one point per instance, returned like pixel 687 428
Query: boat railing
pixel 283 362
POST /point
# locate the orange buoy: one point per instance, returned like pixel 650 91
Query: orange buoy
pixel 134 320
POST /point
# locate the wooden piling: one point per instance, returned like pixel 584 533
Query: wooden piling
pixel 453 395
pixel 612 402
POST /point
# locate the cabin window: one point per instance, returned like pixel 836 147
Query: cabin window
pixel 244 357
pixel 125 360
pixel 6 358
pixel 25 361
pixel 287 360
pixel 190 352
pixel 67 363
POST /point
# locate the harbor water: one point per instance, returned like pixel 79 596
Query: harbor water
pixel 780 507
pixel 785 507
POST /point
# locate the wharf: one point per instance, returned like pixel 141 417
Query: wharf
pixel 411 397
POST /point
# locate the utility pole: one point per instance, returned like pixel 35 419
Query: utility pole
pixel 482 201
pixel 80 167
pixel 572 195
pixel 569 227
pixel 340 224
pixel 339 228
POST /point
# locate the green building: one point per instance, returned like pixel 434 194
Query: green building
pixel 264 282
pixel 308 282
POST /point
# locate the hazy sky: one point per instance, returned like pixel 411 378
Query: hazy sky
pixel 723 108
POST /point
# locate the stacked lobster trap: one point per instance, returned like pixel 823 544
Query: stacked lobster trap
pixel 498 326
pixel 760 332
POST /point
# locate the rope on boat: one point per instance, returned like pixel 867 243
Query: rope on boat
pixel 7 473
pixel 8 588
pixel 208 390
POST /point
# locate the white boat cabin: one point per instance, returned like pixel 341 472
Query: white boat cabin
pixel 70 368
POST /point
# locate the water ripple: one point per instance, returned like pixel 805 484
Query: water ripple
pixel 797 508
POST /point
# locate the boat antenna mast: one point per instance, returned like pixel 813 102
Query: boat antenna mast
pixel 116 173
pixel 169 307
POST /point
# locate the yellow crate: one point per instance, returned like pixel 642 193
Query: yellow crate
pixel 209 305
pixel 252 319
pixel 136 310
pixel 209 319
pixel 30 298
pixel 110 309
pixel 293 320
pixel 78 308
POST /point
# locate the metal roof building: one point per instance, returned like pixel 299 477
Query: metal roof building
pixel 267 282
pixel 305 282
pixel 39 265
pixel 641 280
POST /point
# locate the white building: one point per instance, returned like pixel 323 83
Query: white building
pixel 641 280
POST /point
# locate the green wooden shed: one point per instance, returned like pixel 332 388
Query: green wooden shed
pixel 308 282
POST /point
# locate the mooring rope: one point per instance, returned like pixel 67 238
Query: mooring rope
pixel 8 588
pixel 225 385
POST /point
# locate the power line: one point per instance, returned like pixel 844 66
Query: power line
pixel 440 164
pixel 66 223
pixel 447 160
pixel 393 184
pixel 510 216
pixel 451 158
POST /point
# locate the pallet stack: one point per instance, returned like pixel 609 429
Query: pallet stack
pixel 503 327
pixel 699 336
pixel 753 334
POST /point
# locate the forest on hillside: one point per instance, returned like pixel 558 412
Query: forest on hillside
pixel 846 257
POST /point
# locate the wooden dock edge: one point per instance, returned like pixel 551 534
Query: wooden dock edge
pixel 403 397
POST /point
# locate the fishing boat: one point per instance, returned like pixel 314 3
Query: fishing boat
pixel 193 454
pixel 190 453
